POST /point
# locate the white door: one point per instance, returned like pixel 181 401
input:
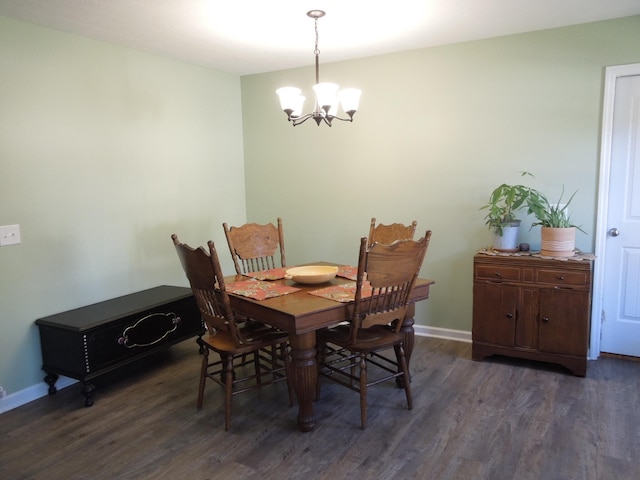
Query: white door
pixel 619 257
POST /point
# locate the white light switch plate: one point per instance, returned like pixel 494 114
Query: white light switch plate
pixel 9 235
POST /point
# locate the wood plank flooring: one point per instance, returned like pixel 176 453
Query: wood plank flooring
pixel 498 419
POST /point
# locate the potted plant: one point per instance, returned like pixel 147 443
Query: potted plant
pixel 558 233
pixel 504 202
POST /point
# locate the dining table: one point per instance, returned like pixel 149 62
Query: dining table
pixel 301 310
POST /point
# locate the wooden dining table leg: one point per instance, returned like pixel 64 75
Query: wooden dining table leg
pixel 304 376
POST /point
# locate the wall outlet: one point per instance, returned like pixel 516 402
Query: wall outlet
pixel 9 235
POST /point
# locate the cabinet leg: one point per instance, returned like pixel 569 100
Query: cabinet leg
pixel 51 380
pixel 87 391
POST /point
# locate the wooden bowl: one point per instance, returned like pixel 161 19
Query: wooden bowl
pixel 311 274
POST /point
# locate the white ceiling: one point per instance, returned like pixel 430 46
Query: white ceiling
pixel 254 36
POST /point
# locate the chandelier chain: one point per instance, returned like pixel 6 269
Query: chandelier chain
pixel 316 51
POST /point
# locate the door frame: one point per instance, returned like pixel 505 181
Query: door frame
pixel 611 75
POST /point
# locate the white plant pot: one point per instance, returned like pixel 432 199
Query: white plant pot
pixel 508 241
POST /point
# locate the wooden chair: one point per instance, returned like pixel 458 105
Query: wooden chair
pixel 390 233
pixel 345 352
pixel 233 341
pixel 253 247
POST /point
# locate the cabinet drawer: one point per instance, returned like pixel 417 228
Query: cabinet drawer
pixel 563 277
pixel 497 272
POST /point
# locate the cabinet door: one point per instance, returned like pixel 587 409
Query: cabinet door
pixel 527 318
pixel 564 321
pixel 494 313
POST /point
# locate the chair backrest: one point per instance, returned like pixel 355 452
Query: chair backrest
pixel 391 270
pixel 207 284
pixel 254 247
pixel 390 233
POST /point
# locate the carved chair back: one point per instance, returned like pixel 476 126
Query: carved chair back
pixel 390 233
pixel 391 270
pixel 254 247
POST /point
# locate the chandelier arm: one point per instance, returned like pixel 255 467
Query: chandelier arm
pixel 333 117
pixel 298 120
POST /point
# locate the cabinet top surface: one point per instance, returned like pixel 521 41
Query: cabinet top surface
pixel 584 261
pixel 101 313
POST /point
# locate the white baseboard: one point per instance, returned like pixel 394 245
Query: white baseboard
pixel 445 333
pixel 34 392
pixel 31 393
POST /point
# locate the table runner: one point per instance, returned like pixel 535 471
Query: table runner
pixel 259 290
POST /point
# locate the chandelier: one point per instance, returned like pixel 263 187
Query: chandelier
pixel 327 94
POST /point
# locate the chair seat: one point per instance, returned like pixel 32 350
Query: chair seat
pixel 254 334
pixel 378 337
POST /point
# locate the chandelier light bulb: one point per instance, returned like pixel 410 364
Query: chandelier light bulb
pixel 326 95
pixel 349 99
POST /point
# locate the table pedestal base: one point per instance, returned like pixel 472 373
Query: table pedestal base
pixel 304 371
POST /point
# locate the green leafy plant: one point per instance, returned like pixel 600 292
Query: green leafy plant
pixel 504 202
pixel 550 215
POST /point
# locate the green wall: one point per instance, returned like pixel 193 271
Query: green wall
pixel 437 130
pixel 104 152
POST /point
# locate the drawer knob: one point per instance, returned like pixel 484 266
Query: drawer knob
pixel 509 315
pixel 545 319
pixel 497 274
pixel 560 277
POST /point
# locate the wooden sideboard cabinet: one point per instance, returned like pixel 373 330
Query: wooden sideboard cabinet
pixel 532 308
pixel 90 341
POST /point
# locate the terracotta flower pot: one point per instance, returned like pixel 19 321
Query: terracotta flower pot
pixel 558 242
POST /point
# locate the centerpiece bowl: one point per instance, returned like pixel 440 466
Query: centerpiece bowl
pixel 311 274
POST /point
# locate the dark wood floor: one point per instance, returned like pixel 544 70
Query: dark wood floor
pixel 499 419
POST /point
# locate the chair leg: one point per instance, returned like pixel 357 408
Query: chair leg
pixel 402 360
pixel 203 376
pixel 400 380
pixel 320 357
pixel 274 362
pixel 256 366
pixel 286 358
pixel 363 389
pixel 228 369
pixel 353 373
